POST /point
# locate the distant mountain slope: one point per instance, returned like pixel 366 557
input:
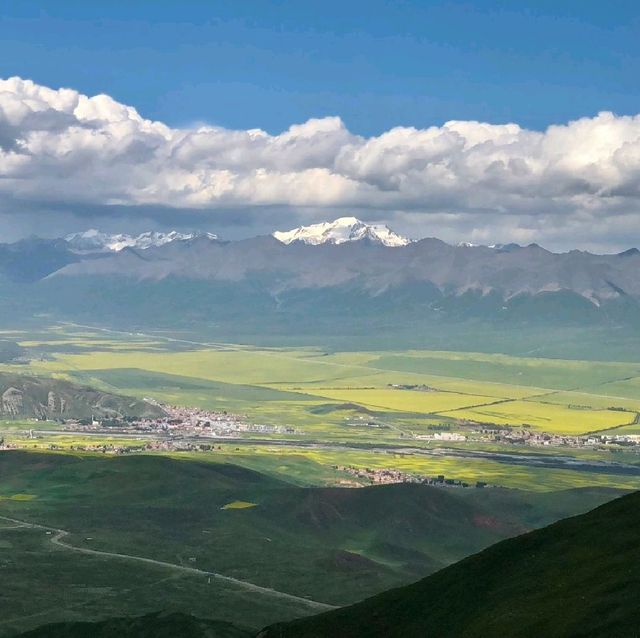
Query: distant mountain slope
pixel 10 351
pixel 30 260
pixel 175 625
pixel 323 279
pixel 26 396
pixel 578 577
pixel 375 268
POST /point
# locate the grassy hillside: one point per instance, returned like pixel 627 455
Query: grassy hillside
pixel 578 577
pixel 331 545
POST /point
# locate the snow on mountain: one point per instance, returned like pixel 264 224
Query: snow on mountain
pixel 94 241
pixel 340 231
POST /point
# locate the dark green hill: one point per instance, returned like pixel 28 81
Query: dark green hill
pixel 576 578
pixel 334 545
pixel 579 578
pixel 150 626
pixel 26 396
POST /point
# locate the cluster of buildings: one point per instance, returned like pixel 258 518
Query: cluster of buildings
pixel 538 439
pixel 442 436
pixel 383 476
pixel 112 448
pixel 181 421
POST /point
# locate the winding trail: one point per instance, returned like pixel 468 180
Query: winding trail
pixel 59 534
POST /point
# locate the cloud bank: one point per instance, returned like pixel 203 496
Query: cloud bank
pixel 470 180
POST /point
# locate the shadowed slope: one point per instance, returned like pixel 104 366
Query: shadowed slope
pixel 151 626
pixel 578 577
pixel 332 545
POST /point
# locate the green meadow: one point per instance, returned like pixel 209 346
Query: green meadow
pixel 300 546
pixel 291 382
pixel 338 400
pixel 276 510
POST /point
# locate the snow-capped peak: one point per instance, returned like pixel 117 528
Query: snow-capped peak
pixel 340 231
pixel 95 241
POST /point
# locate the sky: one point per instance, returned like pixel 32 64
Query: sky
pixel 485 121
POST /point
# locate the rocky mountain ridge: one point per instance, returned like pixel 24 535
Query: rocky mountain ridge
pixel 93 240
pixel 27 396
pixel 375 268
pixel 327 276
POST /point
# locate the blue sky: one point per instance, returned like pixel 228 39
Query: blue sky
pixel 391 111
pixel 376 64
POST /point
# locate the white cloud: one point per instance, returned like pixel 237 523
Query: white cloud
pixel 59 147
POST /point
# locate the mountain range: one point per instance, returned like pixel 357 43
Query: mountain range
pixel 94 241
pixel 323 277
pixel 346 251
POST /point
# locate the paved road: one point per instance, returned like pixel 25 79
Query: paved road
pixel 59 534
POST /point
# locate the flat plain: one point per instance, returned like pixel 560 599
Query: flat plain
pixel 332 398
pixel 560 396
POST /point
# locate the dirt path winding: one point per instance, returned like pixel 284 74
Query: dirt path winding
pixel 59 534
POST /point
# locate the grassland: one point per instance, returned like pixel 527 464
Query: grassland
pixel 265 510
pixel 545 416
pixel 328 397
pixel 287 384
pixel 53 585
pixel 328 544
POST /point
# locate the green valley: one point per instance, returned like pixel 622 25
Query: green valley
pixel 263 484
pixel 145 533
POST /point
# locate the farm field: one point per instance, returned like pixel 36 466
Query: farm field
pixel 403 400
pixel 291 383
pixel 627 388
pixel 560 374
pixel 329 398
pixel 584 400
pixel 546 417
pixel 509 472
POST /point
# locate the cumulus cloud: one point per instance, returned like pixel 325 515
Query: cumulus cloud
pixel 59 147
